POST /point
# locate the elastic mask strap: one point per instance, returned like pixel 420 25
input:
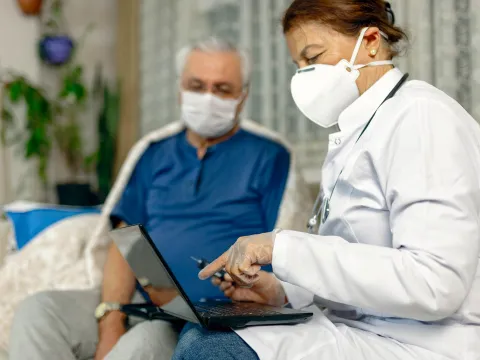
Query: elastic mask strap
pixel 357 46
pixel 357 49
pixel 374 63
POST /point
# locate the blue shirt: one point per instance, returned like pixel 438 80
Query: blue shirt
pixel 193 207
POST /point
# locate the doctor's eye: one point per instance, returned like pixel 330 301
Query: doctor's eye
pixel 313 60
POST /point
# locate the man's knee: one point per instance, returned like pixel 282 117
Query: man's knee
pixel 194 345
pixel 146 340
pixel 36 309
pixel 201 344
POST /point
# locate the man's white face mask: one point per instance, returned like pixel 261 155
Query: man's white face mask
pixel 208 115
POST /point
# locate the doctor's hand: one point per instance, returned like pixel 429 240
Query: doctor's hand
pixel 244 258
pixel 266 290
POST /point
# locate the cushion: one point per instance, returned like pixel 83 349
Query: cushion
pixel 28 219
pixel 44 265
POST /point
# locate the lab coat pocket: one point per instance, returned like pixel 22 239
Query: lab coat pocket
pixel 313 340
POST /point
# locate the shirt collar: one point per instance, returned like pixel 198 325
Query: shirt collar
pixel 365 106
pixel 192 149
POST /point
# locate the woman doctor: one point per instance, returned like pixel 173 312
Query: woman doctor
pixel 395 261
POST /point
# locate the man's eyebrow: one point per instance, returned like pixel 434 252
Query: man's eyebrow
pixel 194 79
pixel 224 84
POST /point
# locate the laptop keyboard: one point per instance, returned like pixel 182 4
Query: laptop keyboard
pixel 234 309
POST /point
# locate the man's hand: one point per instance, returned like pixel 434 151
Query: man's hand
pixel 266 290
pixel 111 329
pixel 161 297
pixel 244 259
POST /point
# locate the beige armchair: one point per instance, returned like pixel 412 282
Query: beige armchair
pixel 4 231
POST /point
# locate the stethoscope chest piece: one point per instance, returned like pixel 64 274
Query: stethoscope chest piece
pixel 325 210
pixel 321 212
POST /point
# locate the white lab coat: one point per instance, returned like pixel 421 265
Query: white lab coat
pixel 398 255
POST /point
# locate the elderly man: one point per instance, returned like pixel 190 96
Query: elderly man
pixel 196 190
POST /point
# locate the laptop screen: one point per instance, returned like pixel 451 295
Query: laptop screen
pixel 151 273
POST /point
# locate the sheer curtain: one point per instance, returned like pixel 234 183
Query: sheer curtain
pixel 444 51
pixel 445 46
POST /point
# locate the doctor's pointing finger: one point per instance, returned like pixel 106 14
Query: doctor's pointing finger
pixel 244 259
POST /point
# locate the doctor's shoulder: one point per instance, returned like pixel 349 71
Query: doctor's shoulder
pixel 423 130
pixel 423 108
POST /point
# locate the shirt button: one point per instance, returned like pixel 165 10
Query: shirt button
pixel 338 141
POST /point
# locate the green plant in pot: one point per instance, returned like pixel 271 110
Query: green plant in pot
pixel 35 130
pixel 72 101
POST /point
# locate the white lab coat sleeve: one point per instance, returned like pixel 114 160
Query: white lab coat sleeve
pixel 430 180
pixel 297 297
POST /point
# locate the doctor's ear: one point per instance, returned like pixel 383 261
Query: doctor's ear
pixel 372 41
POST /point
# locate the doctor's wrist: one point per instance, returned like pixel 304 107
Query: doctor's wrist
pixel 274 234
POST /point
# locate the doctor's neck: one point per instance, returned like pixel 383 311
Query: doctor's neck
pixel 202 144
pixel 370 75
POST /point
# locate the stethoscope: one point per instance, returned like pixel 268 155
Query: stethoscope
pixel 321 207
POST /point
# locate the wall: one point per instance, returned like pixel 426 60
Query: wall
pixel 18 44
pixel 97 50
pixel 18 52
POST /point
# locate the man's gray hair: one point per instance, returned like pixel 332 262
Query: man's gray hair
pixel 214 44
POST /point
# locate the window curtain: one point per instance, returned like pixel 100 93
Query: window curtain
pixel 445 51
pixel 445 46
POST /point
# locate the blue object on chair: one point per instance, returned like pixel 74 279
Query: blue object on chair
pixel 29 219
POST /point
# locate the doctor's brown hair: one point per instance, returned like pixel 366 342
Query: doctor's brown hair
pixel 347 17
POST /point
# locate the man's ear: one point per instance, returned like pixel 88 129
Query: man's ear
pixel 244 100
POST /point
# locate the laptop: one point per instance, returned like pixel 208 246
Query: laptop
pixel 153 272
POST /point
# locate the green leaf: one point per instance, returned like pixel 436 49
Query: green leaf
pixel 90 161
pixel 77 72
pixel 16 90
pixel 30 148
pixel 38 120
pixel 79 91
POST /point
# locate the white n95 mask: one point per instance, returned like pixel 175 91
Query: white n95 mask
pixel 208 115
pixel 321 92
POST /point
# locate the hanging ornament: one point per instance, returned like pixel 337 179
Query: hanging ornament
pixel 55 47
pixel 30 7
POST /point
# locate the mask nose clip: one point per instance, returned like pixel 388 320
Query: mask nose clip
pixel 308 69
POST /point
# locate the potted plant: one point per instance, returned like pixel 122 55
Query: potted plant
pixel 71 103
pixel 55 47
pixel 18 90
